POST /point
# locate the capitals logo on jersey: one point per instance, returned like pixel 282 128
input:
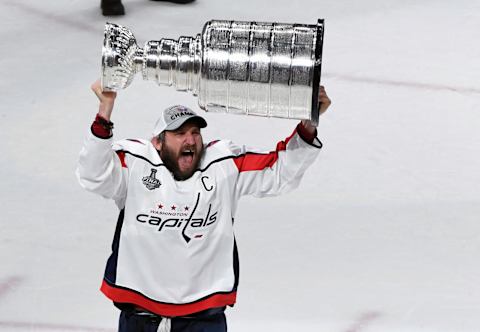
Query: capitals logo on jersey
pixel 192 224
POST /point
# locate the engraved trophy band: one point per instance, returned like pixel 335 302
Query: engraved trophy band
pixel 252 68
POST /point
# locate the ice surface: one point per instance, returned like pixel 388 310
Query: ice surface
pixel 382 235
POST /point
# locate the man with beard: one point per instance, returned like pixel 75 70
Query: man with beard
pixel 174 261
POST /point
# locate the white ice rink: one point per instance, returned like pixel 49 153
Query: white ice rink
pixel 383 234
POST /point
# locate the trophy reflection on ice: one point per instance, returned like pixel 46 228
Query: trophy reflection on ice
pixel 252 68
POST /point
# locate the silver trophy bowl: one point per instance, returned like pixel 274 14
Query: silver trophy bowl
pixel 252 68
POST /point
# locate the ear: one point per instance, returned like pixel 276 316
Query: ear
pixel 156 143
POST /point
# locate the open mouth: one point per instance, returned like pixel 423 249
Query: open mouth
pixel 186 158
pixel 187 153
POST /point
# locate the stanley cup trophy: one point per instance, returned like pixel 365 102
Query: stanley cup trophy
pixel 253 68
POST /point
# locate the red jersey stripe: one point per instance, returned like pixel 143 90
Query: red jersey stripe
pixel 168 310
pixel 258 161
pixel 135 140
pixel 121 156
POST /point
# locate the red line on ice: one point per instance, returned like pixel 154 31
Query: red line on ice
pixel 51 327
pixel 62 18
pixel 12 282
pixel 9 284
pixel 363 321
pixel 407 84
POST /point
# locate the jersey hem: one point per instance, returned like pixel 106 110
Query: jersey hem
pixel 123 295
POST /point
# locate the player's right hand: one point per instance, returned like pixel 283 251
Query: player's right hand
pixel 106 97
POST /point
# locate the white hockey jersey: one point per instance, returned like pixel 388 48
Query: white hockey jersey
pixel 174 250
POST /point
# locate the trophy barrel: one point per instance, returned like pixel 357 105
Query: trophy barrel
pixel 264 69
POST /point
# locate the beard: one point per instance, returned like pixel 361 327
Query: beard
pixel 170 159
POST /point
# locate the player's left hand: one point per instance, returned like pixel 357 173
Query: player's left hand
pixel 323 100
pixel 323 104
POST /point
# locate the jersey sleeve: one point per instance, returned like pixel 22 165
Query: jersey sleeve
pixel 274 172
pixel 103 170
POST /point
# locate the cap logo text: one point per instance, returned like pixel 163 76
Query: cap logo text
pixel 180 114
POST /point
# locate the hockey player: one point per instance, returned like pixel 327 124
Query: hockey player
pixel 174 263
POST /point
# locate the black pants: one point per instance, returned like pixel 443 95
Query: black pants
pixel 131 321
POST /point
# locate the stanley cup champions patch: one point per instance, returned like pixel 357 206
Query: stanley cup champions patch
pixel 150 181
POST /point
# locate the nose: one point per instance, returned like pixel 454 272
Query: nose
pixel 189 139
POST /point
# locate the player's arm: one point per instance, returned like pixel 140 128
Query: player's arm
pixel 280 170
pixel 100 169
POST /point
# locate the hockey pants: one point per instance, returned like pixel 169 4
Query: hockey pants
pixel 137 322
